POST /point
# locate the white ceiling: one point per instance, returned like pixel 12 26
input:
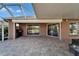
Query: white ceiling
pixel 57 10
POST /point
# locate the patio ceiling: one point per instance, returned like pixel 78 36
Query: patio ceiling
pixel 57 10
pixel 39 10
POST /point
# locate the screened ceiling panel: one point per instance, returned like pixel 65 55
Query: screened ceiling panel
pixel 4 13
pixel 16 9
pixel 28 9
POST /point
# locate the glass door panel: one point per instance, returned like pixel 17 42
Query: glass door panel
pixel 33 30
pixel 53 29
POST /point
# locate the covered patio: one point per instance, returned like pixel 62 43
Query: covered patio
pixel 34 46
pixel 49 22
pixel 63 14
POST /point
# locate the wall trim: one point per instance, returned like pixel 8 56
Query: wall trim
pixel 38 21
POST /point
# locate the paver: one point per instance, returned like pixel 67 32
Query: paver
pixel 34 46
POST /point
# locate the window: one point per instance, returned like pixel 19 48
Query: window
pixel 33 30
pixel 74 28
pixel 17 25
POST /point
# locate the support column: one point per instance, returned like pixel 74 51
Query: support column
pixel 2 31
pixel 65 30
pixel 11 30
pixel 60 32
pixel 14 32
pixel 43 29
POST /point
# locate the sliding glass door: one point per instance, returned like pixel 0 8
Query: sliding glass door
pixel 33 30
pixel 53 29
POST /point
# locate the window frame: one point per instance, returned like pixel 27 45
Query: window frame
pixel 77 28
pixel 32 29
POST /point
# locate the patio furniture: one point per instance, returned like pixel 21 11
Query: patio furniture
pixel 74 47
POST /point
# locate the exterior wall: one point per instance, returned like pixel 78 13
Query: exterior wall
pixel 64 30
pixel 11 30
pixel 43 29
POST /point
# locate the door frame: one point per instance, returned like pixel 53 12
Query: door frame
pixel 33 35
pixel 50 35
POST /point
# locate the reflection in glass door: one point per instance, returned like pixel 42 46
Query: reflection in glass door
pixel 33 30
pixel 53 29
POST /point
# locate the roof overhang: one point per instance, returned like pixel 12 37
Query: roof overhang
pixel 38 21
pixel 56 10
